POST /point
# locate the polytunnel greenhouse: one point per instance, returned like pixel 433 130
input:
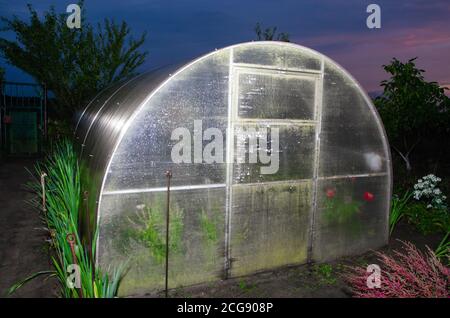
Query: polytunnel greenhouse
pixel 320 188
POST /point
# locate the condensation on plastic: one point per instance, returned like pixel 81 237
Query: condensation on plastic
pixel 328 198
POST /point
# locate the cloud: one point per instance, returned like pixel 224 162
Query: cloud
pixel 179 30
pixel 364 53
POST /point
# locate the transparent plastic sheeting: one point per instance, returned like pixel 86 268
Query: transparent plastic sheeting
pixel 328 198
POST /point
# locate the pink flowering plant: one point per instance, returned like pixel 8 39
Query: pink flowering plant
pixel 407 274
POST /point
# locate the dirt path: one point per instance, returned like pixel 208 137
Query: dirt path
pixel 22 250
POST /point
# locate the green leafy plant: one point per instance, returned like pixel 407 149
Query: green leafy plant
pixel 59 172
pixel 428 220
pixel 74 64
pixel 411 107
pixel 245 287
pixel 339 211
pixel 325 274
pixel 149 228
pixel 270 34
pixel 2 76
pixel 209 227
pixel 398 208
pixel 443 250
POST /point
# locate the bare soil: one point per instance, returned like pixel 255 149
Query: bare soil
pixel 22 248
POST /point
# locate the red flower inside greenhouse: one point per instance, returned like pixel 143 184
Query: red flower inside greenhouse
pixel 368 196
pixel 331 193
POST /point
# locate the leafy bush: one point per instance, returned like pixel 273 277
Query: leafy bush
pixel 148 227
pixel 410 274
pixel 75 64
pixel 411 108
pixel 428 221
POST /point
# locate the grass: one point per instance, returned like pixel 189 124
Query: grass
pixel 325 274
pixel 398 209
pixel 443 250
pixel 59 202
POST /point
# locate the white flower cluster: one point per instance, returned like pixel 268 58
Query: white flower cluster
pixel 426 190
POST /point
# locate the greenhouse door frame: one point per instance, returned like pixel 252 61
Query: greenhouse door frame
pixel 235 69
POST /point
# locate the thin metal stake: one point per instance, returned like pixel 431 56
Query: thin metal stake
pixel 44 203
pixel 88 219
pixel 168 176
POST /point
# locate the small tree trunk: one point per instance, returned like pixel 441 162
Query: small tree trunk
pixel 408 163
pixel 405 158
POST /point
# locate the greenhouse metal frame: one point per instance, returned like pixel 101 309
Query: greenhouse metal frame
pixel 329 198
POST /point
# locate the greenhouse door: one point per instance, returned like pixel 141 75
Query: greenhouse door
pixel 269 214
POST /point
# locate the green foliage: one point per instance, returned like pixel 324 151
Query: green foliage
pixel 19 284
pixel 149 228
pixel 410 107
pixel 340 212
pixel 57 129
pixel 2 75
pixel 62 197
pixel 245 287
pixel 74 63
pixel 398 208
pixel 428 221
pixel 209 227
pixel 443 250
pixel 325 274
pixel 270 34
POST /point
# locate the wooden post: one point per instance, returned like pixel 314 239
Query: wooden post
pixel 44 203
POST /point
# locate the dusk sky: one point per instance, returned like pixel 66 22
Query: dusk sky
pixel 184 29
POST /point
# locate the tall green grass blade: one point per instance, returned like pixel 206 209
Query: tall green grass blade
pixel 18 285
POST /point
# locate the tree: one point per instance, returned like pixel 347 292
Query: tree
pixel 269 34
pixel 74 63
pixel 410 107
pixel 2 75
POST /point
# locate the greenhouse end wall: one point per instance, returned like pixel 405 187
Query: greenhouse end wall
pixel 326 197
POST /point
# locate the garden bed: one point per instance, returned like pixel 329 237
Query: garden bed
pixel 316 280
pixel 24 251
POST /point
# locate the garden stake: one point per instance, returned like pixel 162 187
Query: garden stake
pixel 71 240
pixel 168 176
pixel 44 208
